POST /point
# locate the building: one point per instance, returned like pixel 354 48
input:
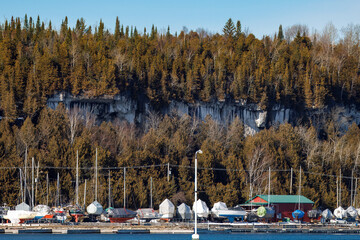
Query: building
pixel 283 205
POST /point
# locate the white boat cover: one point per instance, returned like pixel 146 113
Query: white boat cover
pixel 16 215
pixel 327 214
pixel 184 211
pixel 42 209
pixel 94 208
pixel 218 206
pixel 147 213
pixel 351 212
pixel 166 209
pixel 202 209
pixel 22 206
pixel 339 212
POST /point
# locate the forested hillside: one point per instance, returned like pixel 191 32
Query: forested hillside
pixel 291 69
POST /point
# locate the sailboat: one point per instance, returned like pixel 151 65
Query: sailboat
pixel 119 215
pixel 76 211
pixel 95 208
pixel 148 214
pixel 298 214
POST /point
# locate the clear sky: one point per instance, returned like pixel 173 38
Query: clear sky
pixel 262 17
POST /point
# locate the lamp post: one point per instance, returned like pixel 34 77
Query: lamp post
pixel 195 236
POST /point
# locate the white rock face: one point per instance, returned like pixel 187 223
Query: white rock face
pixel 123 107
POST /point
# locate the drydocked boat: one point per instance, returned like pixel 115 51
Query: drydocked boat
pixel 42 211
pixel 202 209
pixel 184 212
pixel 21 214
pixel 297 214
pixel 166 210
pixel 339 213
pixel 220 210
pixel 119 215
pixel 94 208
pixel 265 212
pixel 76 212
pixel 218 206
pixel 351 212
pixel 327 214
pixel 147 214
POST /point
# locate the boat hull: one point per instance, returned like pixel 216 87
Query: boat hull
pixel 119 219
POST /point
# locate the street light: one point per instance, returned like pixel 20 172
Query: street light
pixel 195 236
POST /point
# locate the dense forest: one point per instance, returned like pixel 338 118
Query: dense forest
pixel 291 68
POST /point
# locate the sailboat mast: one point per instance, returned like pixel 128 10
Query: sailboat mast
pixel 124 187
pixel 25 175
pixel 85 194
pixel 37 180
pixel 96 175
pixel 151 195
pixel 21 186
pixel 269 187
pixel 47 189
pixel 32 183
pixel 77 177
pixel 300 189
pixel 58 189
pixel 109 190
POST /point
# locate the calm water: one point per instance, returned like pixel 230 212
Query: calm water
pixel 177 237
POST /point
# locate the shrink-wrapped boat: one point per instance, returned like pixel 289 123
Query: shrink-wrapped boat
pixel 202 209
pixel 166 209
pixel 327 214
pixel 184 212
pixel 218 206
pixel 314 213
pixel 351 212
pixel 339 213
pixel 94 208
pixel 265 212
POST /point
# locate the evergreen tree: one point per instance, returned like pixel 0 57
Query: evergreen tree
pixel 280 33
pixel 229 29
pixel 238 30
pixel 117 29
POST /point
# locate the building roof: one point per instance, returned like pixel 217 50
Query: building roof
pixel 280 199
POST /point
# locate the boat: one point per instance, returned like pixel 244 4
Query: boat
pixel 339 213
pixel 298 214
pixel 119 215
pixel 265 212
pixel 76 212
pixel 232 213
pixel 314 213
pixel 351 212
pixel 147 214
pixel 184 212
pixel 202 209
pixel 19 216
pixel 327 214
pixel 3 212
pixel 94 208
pixel 166 210
pixel 42 211
pixel 218 206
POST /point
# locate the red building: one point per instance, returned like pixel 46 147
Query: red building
pixel 284 205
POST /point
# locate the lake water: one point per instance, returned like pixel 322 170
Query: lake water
pixel 255 236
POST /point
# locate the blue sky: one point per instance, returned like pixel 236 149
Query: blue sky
pixel 262 17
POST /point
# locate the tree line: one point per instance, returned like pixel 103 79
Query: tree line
pixel 232 168
pixel 291 67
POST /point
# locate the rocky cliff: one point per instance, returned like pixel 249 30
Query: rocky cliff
pixel 123 107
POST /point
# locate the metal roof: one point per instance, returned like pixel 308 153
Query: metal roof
pixel 281 199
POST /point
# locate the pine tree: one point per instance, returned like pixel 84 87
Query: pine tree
pixel 117 29
pixel 280 33
pixel 229 29
pixel 238 29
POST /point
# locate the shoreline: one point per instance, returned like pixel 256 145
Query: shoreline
pixel 177 228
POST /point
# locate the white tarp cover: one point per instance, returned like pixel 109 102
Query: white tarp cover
pixel 202 209
pixel 167 208
pixel 339 212
pixel 184 211
pixel 43 209
pixel 94 208
pixel 351 212
pixel 147 213
pixel 219 206
pixel 327 214
pixel 22 206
